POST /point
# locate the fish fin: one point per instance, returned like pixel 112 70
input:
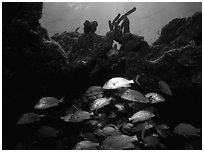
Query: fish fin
pixel 75 107
pixel 62 99
pixel 165 88
pixel 135 79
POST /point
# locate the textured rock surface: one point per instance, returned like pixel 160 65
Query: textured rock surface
pixel 33 66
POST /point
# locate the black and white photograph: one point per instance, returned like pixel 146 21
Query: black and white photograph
pixel 123 75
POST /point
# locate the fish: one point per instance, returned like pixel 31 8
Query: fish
pixel 132 95
pixel 28 118
pixel 120 106
pixel 141 116
pixel 197 78
pixel 119 142
pixel 165 88
pixel 91 125
pixel 100 102
pixel 151 141
pixel 154 98
pixel 162 126
pixel 80 116
pixel 89 136
pixel 119 82
pixel 128 129
pixel 46 132
pixel 108 130
pixel 145 125
pixel 103 119
pixel 186 130
pixel 86 145
pixel 67 117
pixel 163 130
pixel 93 92
pixel 48 102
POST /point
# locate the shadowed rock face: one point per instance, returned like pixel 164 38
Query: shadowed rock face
pixel 182 30
pixel 33 66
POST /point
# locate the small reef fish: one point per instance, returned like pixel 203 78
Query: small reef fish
pixel 80 116
pixel 133 95
pixel 46 132
pixel 186 130
pixel 154 97
pixel 165 88
pixel 162 126
pixel 100 102
pixel 48 102
pixel 67 117
pixel 119 142
pixel 128 129
pixel 145 125
pixel 119 82
pixel 107 131
pixel 120 106
pixel 86 145
pixel 28 118
pixel 151 141
pixel 93 91
pixel 141 116
pixel 163 130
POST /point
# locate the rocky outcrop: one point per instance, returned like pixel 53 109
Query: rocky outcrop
pixel 36 66
pixel 33 66
pixel 182 30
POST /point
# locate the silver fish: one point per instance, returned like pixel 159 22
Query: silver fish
pixel 141 116
pixel 91 125
pixel 163 130
pixel 108 130
pixel 93 91
pixel 128 129
pixel 186 130
pixel 120 106
pixel 67 117
pixel 154 97
pixel 86 145
pixel 80 115
pixel 46 132
pixel 162 126
pixel 165 88
pixel 28 118
pixel 119 82
pixel 151 141
pixel 99 103
pixel 48 102
pixel 118 142
pixel 145 125
pixel 132 95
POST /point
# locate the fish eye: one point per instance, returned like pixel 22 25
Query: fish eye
pixel 43 102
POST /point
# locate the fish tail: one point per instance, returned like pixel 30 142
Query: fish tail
pixel 62 99
pixel 135 79
pixel 135 138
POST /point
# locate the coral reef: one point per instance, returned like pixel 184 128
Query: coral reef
pixel 36 65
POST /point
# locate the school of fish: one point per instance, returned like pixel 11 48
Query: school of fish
pixel 113 116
